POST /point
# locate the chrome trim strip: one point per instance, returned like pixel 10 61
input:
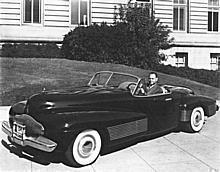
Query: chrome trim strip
pixel 40 142
pixel 153 95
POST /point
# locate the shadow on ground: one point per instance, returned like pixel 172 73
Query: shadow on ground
pixel 45 158
pixel 33 155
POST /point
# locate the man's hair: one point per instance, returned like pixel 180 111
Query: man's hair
pixel 154 74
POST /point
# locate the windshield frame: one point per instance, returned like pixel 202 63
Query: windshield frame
pixel 111 73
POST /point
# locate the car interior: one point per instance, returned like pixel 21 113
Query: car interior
pixel 139 90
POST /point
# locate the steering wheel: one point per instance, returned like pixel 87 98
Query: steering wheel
pixel 131 87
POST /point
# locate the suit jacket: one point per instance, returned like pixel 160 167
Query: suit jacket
pixel 156 89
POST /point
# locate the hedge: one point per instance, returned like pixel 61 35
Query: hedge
pixel 208 77
pixel 31 50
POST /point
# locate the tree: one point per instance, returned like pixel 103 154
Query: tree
pixel 149 35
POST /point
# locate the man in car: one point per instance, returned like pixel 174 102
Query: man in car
pixel 152 86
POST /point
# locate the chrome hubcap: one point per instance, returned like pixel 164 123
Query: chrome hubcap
pixel 86 147
pixel 198 119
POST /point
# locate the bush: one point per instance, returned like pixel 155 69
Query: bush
pixel 101 43
pixel 200 75
pixel 148 34
pixel 31 50
pixel 134 40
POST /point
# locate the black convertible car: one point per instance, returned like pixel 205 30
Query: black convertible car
pixel 108 111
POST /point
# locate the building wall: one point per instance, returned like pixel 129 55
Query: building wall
pixel 198 46
pixel 10 12
pixel 163 9
pixel 198 16
pixel 197 41
pixel 201 56
pixel 56 13
pixel 103 11
pixel 55 21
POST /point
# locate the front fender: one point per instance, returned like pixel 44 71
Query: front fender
pixel 18 108
pixel 105 122
pixel 100 119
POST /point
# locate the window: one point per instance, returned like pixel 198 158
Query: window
pixel 215 61
pixel 32 11
pixel 181 59
pixel 213 15
pixel 80 12
pixel 179 15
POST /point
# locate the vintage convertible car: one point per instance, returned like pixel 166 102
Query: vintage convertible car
pixel 109 111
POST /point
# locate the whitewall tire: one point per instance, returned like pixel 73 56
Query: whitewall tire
pixel 85 149
pixel 197 119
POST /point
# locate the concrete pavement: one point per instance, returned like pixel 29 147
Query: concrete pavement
pixel 174 152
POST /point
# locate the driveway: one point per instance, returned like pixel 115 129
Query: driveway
pixel 177 152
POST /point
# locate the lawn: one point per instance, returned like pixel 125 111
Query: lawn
pixel 22 77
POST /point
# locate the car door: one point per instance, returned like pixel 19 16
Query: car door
pixel 161 111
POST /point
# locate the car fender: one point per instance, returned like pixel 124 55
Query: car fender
pixel 18 108
pixel 191 102
pixel 94 119
pixel 108 127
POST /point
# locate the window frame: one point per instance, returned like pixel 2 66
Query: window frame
pixel 79 13
pixel 181 55
pixel 180 6
pixel 213 8
pixel 215 60
pixel 32 13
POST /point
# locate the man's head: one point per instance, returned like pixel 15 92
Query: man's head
pixel 153 78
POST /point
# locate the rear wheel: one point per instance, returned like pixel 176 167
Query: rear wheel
pixel 85 149
pixel 197 119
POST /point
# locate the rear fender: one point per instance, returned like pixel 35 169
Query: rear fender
pixel 208 105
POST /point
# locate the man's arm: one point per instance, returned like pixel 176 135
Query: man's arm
pixel 155 90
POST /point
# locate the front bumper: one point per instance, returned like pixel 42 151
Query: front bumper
pixel 217 108
pixel 39 142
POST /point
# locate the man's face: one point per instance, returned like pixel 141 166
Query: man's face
pixel 152 79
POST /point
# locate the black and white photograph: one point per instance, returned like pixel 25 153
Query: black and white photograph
pixel 110 85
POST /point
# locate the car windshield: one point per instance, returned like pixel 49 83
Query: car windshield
pixel 113 79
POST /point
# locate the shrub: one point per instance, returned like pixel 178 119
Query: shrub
pixel 148 34
pixel 200 75
pixel 134 40
pixel 101 43
pixel 30 50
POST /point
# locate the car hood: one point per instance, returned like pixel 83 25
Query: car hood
pixel 78 94
pixel 86 98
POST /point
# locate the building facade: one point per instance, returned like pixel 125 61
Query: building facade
pixel 194 24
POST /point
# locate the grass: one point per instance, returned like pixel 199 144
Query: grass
pixel 22 77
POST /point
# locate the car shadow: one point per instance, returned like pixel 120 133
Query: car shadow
pixel 33 155
pixel 137 141
pixel 44 158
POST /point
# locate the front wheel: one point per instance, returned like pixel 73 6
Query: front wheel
pixel 197 119
pixel 85 149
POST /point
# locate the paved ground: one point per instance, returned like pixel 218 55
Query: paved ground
pixel 176 152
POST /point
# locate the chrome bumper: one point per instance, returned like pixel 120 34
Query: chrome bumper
pixel 40 142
